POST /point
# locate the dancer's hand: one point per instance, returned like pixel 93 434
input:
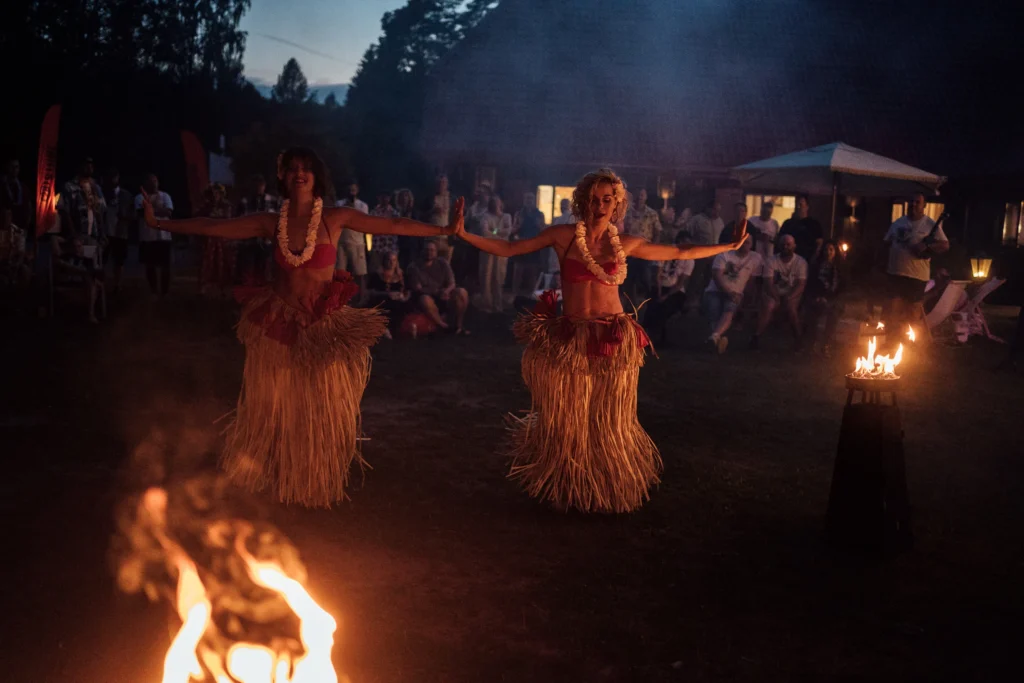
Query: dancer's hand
pixel 457 222
pixel 739 236
pixel 147 210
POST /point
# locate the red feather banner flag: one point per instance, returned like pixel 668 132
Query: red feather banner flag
pixel 196 172
pixel 46 172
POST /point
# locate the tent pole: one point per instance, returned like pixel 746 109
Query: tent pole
pixel 835 192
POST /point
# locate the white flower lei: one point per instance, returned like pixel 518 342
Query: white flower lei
pixel 620 256
pixel 282 234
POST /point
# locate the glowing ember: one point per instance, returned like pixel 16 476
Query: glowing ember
pixel 877 367
pixel 245 615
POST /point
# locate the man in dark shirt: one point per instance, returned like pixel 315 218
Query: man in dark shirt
pixel 805 230
pixel 433 285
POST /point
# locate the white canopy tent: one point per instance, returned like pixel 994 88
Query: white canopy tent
pixel 836 169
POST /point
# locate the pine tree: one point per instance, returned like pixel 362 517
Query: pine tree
pixel 292 86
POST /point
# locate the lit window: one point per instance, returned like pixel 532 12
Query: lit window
pixel 1011 224
pixel 785 206
pixel 549 200
pixel 931 209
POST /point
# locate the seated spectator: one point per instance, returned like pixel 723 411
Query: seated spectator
pixel 74 264
pixel 824 284
pixel 433 287
pixel 387 287
pixel 785 277
pixel 730 273
pixel 670 294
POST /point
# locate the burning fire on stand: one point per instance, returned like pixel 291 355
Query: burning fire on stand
pixel 875 366
pixel 236 587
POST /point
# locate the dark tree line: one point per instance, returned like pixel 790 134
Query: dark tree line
pixel 131 74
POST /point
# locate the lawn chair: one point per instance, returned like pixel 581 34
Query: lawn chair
pixel 948 304
pixel 975 319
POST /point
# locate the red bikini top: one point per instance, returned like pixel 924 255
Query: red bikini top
pixel 575 271
pixel 324 255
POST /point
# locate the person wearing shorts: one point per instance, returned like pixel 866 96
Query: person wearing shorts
pixel 913 240
pixel 730 272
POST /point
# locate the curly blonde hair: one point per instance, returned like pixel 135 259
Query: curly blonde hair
pixel 584 189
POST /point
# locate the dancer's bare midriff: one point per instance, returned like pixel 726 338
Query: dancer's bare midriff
pixel 300 287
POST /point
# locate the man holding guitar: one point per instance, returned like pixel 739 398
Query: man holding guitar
pixel 914 239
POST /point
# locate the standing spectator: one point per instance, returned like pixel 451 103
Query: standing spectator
pixel 764 229
pixel 805 230
pixel 913 239
pixel 704 228
pixel 642 221
pixel 680 225
pixel 155 244
pixel 405 206
pixel 255 252
pixel 734 226
pixel 495 225
pixel 528 223
pixel 824 285
pixel 12 195
pixel 730 273
pixel 670 294
pixel 73 265
pixel 785 277
pixel 81 206
pixel 382 245
pixel 217 268
pixel 120 211
pixel 352 244
pixel 438 210
pixel 433 285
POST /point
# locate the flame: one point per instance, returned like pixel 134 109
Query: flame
pixel 880 326
pixel 188 658
pixel 910 333
pixel 844 247
pixel 877 367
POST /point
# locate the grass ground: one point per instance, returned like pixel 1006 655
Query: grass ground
pixel 443 571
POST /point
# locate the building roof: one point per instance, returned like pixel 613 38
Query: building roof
pixel 711 84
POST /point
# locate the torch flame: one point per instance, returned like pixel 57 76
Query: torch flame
pixel 910 334
pixel 880 326
pixel 877 367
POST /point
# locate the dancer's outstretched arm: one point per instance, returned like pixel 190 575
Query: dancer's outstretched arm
pixel 382 225
pixel 517 248
pixel 243 227
pixel 638 247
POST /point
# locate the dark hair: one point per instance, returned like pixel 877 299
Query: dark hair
pixel 312 161
pixel 804 197
pixel 743 204
pixel 710 203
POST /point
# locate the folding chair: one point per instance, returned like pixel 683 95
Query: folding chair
pixel 976 323
pixel 952 299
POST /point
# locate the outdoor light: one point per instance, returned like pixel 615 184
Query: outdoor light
pixel 844 247
pixel 980 267
pixel 666 189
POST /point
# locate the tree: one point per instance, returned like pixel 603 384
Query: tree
pixel 291 87
pixel 331 102
pixel 385 102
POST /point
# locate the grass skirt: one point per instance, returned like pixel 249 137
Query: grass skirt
pixel 297 423
pixel 581 445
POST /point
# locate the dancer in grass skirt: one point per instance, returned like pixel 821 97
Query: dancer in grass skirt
pixel 581 445
pixel 297 425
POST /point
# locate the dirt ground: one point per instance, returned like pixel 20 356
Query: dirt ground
pixel 441 570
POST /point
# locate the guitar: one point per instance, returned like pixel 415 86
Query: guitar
pixel 929 239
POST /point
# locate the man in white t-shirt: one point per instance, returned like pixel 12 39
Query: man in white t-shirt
pixel 913 240
pixel 352 244
pixel 785 277
pixel 669 298
pixel 764 228
pixel 730 273
pixel 154 244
